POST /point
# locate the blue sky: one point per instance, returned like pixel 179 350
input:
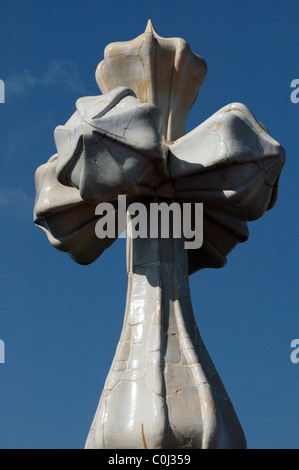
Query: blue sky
pixel 60 322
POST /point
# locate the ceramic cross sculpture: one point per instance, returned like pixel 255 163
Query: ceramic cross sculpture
pixel 162 390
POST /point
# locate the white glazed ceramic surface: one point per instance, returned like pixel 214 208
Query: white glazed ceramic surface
pixel 162 390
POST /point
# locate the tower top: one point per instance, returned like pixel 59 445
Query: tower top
pixel 161 71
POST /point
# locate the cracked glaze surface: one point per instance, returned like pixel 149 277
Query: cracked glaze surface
pixel 229 163
pixel 162 71
pixel 163 390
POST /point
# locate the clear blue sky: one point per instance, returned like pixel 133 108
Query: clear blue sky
pixel 60 322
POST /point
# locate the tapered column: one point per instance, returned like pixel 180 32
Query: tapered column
pixel 162 390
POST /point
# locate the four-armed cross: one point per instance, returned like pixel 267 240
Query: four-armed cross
pixel 162 390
